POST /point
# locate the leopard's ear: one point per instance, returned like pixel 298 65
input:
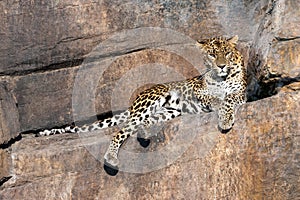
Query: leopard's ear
pixel 201 43
pixel 233 40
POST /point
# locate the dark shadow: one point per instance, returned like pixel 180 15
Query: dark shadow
pixel 143 142
pixel 11 142
pixel 4 179
pixel 270 87
pixel 110 170
pixel 261 82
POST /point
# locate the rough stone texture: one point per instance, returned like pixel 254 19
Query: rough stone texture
pixel 5 165
pixel 47 48
pixel 41 35
pixel 274 55
pixel 284 58
pixel 9 129
pixel 258 159
pixel 9 116
pixel 289 24
pixel 44 99
pixel 34 36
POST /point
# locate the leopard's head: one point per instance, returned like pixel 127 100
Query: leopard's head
pixel 221 55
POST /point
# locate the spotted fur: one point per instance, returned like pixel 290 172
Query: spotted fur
pixel 220 89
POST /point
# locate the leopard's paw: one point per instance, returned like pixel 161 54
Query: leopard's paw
pixel 225 124
pixel 224 131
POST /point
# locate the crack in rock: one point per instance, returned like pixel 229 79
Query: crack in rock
pixel 4 179
pixel 10 142
pixel 271 86
pixel 282 39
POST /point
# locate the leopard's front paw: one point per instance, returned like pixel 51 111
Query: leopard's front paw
pixel 225 127
pixel 224 131
pixel 226 121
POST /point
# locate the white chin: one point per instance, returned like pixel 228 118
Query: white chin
pixel 222 74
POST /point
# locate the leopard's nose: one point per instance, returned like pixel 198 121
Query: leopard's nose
pixel 221 66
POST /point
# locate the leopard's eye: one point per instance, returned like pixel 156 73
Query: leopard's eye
pixel 212 55
pixel 228 54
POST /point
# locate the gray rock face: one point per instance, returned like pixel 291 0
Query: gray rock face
pixel 44 97
pixel 9 116
pixel 64 61
pixel 274 58
pixel 53 34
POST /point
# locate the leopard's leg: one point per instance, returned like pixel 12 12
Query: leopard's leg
pixel 164 114
pixel 164 108
pixel 160 115
pixel 111 155
pixel 226 111
pixel 225 118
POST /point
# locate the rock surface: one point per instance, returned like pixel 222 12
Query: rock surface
pixel 9 116
pixel 274 59
pixel 64 61
pixel 44 35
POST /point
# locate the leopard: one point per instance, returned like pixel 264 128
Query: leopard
pixel 221 88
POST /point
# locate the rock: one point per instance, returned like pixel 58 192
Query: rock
pixel 283 59
pixel 38 96
pixel 5 165
pixel 258 157
pixel 274 59
pixel 9 129
pixel 44 35
pixel 289 26
pixel 9 116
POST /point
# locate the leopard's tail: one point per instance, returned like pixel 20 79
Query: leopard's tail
pixel 113 121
